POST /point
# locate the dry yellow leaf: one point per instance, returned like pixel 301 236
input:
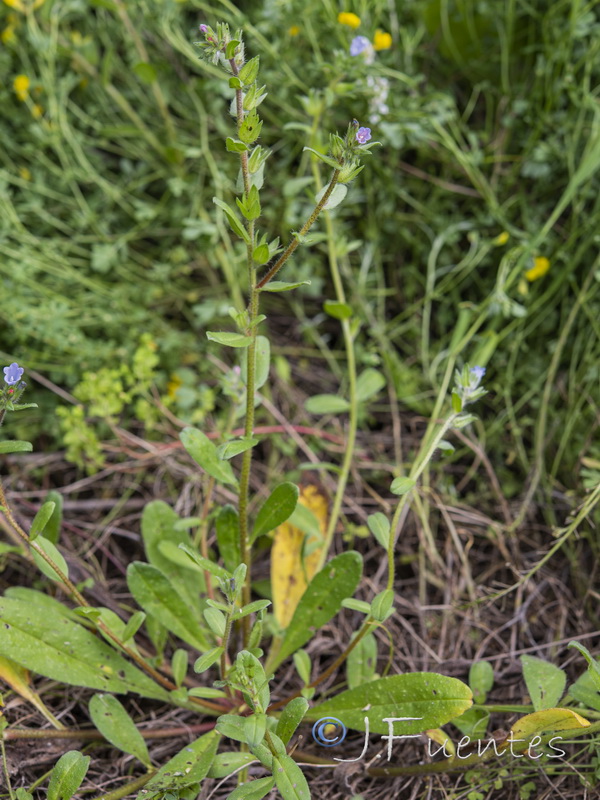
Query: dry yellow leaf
pixel 17 677
pixel 290 572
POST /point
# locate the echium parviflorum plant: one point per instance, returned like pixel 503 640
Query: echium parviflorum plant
pixel 195 602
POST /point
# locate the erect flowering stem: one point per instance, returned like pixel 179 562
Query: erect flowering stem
pixel 245 549
pixel 302 232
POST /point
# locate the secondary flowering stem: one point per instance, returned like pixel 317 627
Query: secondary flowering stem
pixel 302 232
pixel 417 470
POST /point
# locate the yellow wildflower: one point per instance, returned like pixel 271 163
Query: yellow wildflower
pixel 541 265
pixel 8 35
pixel 382 40
pixel 21 6
pixel 21 86
pixel 294 30
pixel 16 4
pixel 348 18
pixel 173 385
pixel 501 239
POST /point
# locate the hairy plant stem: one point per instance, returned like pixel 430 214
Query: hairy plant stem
pixel 245 548
pixel 293 245
pixel 100 625
pixel 351 365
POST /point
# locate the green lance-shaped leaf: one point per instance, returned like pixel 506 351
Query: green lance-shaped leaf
pixel 226 763
pixel 545 682
pixel 593 665
pixel 379 525
pixel 368 384
pixel 54 646
pixel 249 72
pixel 117 727
pixel 291 716
pixel 321 601
pixel 233 727
pixel 199 562
pixel 190 766
pixel 326 404
pixel 253 790
pixel 283 286
pixel 15 447
pixel 228 536
pixel 235 446
pixel 179 666
pixel 585 691
pixel 41 520
pixel 362 662
pixel 262 364
pixel 160 599
pixel 52 528
pixel 204 452
pixel 52 552
pixel 67 775
pixel 159 530
pixel 229 339
pixel 331 162
pixel 402 486
pixel 337 310
pixel 234 222
pixel 428 699
pixel 276 509
pixel 290 779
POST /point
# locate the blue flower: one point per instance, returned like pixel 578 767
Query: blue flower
pixel 362 137
pixel 477 374
pixel 13 373
pixel 358 45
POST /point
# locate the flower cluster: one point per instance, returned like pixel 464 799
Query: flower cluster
pixel 467 386
pixel 219 46
pixel 348 150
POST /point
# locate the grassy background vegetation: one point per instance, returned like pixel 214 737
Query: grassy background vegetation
pixel 108 231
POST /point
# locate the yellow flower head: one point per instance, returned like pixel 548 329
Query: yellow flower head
pixel 8 35
pixel 294 30
pixel 348 18
pixel 21 86
pixel 541 265
pixel 501 239
pixel 382 40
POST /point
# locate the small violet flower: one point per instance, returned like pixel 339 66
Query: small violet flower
pixel 358 45
pixel 13 373
pixel 477 374
pixel 203 28
pixel 362 137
